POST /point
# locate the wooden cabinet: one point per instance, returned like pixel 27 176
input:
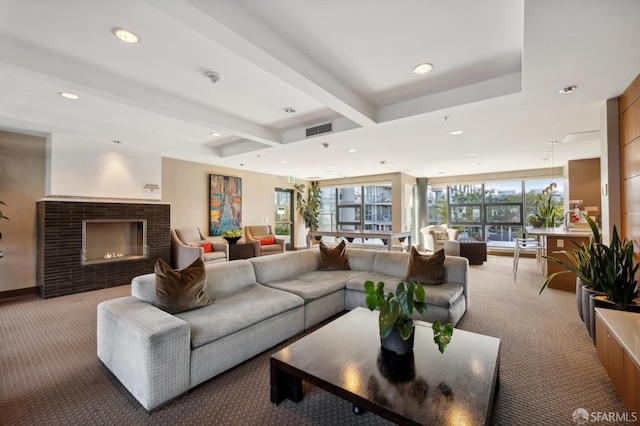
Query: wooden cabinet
pixel 631 396
pixel 616 358
pixel 602 345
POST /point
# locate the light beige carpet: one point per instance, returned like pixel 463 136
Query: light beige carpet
pixel 50 374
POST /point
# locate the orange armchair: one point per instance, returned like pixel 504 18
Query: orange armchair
pixel 186 247
pixel 264 240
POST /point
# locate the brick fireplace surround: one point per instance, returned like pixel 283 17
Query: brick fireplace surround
pixel 59 244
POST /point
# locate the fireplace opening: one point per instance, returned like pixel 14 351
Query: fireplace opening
pixel 113 240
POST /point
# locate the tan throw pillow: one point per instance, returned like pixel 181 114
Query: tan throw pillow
pixel 334 259
pixel 182 290
pixel 426 269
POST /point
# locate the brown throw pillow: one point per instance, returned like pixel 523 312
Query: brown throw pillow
pixel 334 259
pixel 182 290
pixel 426 269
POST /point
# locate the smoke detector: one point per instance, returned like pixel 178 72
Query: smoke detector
pixel 213 76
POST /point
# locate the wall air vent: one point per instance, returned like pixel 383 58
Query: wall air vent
pixel 318 130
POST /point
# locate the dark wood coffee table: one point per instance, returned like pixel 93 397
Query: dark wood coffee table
pixel 424 387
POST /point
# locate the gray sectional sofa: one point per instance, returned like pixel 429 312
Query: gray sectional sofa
pixel 258 303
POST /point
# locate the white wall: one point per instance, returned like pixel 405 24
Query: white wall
pixel 85 167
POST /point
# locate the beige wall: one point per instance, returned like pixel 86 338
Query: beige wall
pixel 22 182
pixel 186 186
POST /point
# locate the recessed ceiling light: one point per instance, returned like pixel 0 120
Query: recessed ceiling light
pixel 284 161
pixel 126 35
pixel 422 68
pixel 473 154
pixel 351 150
pixel 568 89
pixel 456 132
pixel 117 141
pixel 553 142
pixel 440 173
pixel 289 110
pixel 69 95
pixel 216 134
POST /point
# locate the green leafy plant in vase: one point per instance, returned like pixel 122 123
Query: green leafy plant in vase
pixel 546 213
pixel 395 319
pixel 232 235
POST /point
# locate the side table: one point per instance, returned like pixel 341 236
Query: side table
pixel 474 251
pixel 241 251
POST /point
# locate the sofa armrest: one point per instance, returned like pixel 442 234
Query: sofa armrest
pixel 256 246
pixel 147 349
pixel 221 247
pixel 184 255
pixel 456 270
pixel 281 242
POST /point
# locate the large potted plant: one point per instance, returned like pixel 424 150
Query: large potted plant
pixel 582 262
pixel 309 208
pixel 395 319
pixel 615 272
pixel 2 216
pixel 608 273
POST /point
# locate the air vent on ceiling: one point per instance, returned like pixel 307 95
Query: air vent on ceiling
pixel 317 130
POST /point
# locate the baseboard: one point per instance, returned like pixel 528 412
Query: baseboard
pixel 17 293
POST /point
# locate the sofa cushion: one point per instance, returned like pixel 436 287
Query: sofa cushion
pixel 426 269
pixel 391 263
pixel 357 283
pixel 228 277
pixel 285 265
pixel 443 295
pixel 361 260
pixel 207 247
pixel 333 259
pixel 276 248
pixel 237 311
pixel 315 284
pixel 214 255
pixel 181 290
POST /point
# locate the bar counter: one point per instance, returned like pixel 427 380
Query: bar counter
pixel 555 240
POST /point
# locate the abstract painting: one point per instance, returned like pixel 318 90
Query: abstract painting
pixel 225 204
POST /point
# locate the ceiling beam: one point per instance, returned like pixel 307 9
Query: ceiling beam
pixel 249 38
pixel 68 72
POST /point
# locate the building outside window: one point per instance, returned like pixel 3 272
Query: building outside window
pixel 356 207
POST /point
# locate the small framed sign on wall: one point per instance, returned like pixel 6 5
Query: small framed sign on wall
pixel 225 204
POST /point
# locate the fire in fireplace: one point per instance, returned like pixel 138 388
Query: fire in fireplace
pixel 113 240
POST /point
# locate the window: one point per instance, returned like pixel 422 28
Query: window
pixel 356 207
pixel 494 212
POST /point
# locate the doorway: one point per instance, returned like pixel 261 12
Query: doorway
pixel 283 223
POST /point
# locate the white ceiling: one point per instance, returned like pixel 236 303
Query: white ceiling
pixel 498 66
